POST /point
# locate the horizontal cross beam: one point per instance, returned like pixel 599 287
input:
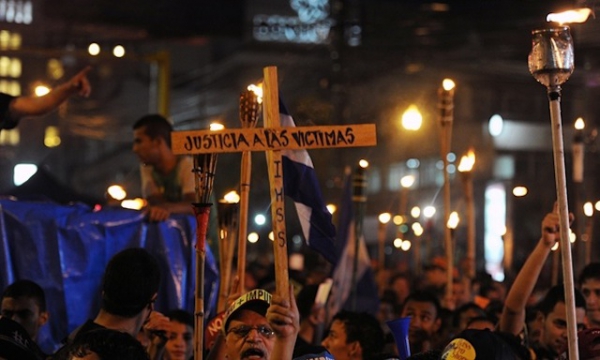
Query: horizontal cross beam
pixel 280 138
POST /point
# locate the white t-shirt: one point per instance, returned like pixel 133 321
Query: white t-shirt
pixel 171 186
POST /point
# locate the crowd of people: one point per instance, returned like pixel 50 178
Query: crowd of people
pixel 483 319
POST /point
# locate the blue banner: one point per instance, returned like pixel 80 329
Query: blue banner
pixel 66 248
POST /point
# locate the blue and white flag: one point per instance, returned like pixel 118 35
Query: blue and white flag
pixel 301 185
pixel 367 298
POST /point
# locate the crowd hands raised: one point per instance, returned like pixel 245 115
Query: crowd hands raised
pixel 484 319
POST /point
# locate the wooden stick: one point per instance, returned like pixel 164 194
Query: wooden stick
pixel 446 106
pixel 249 111
pixel 228 219
pixel 563 212
pixel 202 212
pixel 275 167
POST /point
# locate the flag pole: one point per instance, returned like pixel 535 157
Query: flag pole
pixel 249 112
pixel 204 175
pixel 359 199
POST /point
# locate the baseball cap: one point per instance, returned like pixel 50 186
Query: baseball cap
pixel 474 344
pixel 15 343
pixel 257 300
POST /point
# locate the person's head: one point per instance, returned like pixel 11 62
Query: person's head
pixel 400 285
pixel 461 291
pixel 179 339
pixel 434 276
pixel 151 136
pixel 554 312
pixel 424 310
pixel 247 331
pixel 25 303
pixel 589 283
pixel 534 321
pixel 15 342
pixel 481 323
pixel 354 335
pixel 107 344
pixel 130 283
pixel 464 314
pixel 472 344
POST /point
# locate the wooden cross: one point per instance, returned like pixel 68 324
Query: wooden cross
pixel 272 139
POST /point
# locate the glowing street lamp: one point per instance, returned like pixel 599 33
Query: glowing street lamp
pixel 412 118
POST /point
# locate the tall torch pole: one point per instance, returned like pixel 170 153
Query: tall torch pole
pixel 204 175
pixel 578 151
pixel 465 167
pixel 383 218
pixel 551 62
pixel 227 211
pixel 250 101
pixel 359 200
pixel 446 107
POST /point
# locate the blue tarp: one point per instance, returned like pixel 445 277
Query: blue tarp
pixel 65 249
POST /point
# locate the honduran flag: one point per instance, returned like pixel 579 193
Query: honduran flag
pixel 301 185
pixel 366 295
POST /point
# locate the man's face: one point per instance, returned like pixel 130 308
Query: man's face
pixel 423 323
pixel 554 335
pixel 179 343
pixel 26 312
pixel 591 291
pixel 144 147
pixel 253 345
pixel 336 341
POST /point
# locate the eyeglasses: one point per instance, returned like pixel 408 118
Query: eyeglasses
pixel 244 330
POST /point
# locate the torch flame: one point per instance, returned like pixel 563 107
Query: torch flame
pixel 448 84
pixel 576 16
pixel 232 197
pixel 588 209
pixel 257 90
pixel 453 220
pixel 579 124
pixel 467 161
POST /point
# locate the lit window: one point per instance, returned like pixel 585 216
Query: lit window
pixel 4 39
pixel 10 137
pixel 10 87
pixel 15 41
pixel 55 69
pixel 15 68
pixel 4 65
pixel 52 138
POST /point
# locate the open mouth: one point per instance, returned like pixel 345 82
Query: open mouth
pixel 253 353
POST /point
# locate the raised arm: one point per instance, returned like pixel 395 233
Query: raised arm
pixel 512 319
pixel 284 318
pixel 34 106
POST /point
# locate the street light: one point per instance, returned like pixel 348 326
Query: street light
pixel 465 167
pixel 384 218
pixel 520 191
pixel 412 118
